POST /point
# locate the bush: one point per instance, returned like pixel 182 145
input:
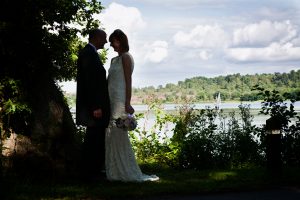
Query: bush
pixel 212 145
pixel 207 138
pixel 281 107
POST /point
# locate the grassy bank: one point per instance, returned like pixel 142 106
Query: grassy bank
pixel 172 182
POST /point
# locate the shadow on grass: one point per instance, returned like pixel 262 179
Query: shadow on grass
pixel 172 182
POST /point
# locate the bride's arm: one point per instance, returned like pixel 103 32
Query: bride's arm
pixel 126 61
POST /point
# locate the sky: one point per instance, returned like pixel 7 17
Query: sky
pixel 172 40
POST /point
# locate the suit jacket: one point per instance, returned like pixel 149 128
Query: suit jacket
pixel 92 89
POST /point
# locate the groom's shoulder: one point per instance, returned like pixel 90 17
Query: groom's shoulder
pixel 85 50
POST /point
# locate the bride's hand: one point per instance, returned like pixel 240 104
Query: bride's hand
pixel 129 109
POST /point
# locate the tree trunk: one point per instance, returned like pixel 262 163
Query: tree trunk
pixel 53 145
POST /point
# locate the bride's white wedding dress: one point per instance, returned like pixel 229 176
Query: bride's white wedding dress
pixel 120 162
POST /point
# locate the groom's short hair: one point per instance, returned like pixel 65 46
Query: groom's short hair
pixel 94 32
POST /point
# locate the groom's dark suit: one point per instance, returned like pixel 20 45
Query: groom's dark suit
pixel 92 94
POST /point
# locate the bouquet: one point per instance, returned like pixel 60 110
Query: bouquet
pixel 126 122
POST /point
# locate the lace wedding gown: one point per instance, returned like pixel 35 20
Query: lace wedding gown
pixel 120 162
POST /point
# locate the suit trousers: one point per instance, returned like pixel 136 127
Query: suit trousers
pixel 94 151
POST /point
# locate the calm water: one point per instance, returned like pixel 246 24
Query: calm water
pixel 258 119
pixel 255 107
pixel 231 105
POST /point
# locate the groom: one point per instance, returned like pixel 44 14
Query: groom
pixel 92 104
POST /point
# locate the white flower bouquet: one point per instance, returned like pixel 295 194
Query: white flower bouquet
pixel 126 122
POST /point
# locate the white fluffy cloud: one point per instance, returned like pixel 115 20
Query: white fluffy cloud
pixel 274 52
pixel 265 41
pixel 157 51
pixel 117 16
pixel 202 36
pixel 264 33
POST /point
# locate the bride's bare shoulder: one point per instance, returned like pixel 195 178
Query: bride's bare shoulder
pixel 127 57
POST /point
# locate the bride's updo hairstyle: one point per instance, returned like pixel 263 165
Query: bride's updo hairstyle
pixel 121 37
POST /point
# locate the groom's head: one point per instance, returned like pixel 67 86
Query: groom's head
pixel 98 38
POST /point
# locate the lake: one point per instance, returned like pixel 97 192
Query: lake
pixel 258 120
pixel 225 105
pixel 255 107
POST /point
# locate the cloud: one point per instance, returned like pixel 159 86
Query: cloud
pixel 296 41
pixel 202 36
pixel 265 41
pixel 271 53
pixel 182 5
pixel 157 51
pixel 264 33
pixel 205 55
pixel 118 16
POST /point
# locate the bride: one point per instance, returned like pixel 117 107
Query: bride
pixel 120 162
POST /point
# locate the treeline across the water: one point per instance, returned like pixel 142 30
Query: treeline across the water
pixel 231 87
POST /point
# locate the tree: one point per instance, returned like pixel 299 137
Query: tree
pixel 38 45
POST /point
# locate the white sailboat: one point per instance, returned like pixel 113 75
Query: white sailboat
pixel 218 101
